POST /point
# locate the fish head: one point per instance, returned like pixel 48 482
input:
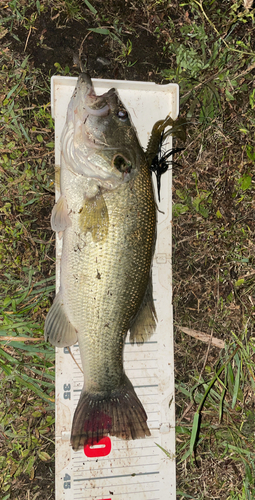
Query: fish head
pixel 105 145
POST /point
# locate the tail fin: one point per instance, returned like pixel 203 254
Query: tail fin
pixel 119 413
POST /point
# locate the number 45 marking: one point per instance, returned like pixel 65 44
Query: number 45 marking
pixel 67 482
pixel 101 449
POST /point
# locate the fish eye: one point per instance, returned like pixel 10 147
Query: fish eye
pixel 122 164
pixel 122 115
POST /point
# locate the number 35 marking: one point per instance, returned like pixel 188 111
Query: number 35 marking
pixel 67 392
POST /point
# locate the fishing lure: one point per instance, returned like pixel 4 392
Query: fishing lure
pixel 161 162
pixel 158 159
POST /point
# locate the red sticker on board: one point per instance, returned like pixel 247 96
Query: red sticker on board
pixel 101 449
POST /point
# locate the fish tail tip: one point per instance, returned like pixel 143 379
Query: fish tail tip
pixel 119 413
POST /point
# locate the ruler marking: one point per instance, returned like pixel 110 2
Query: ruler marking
pixel 136 447
pixel 78 493
pixel 118 454
pixel 80 462
pixel 103 458
pixel 105 465
pixel 148 367
pixel 139 360
pixel 138 492
pixel 145 343
pixel 118 485
pixel 123 467
pixel 140 386
pixel 88 490
pixel 117 477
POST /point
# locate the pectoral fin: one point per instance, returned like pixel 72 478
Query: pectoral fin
pixel 60 219
pixel 144 324
pixel 94 217
pixel 58 330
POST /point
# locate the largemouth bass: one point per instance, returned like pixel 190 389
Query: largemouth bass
pixel 107 217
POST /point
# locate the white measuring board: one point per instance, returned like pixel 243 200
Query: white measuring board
pixel 117 469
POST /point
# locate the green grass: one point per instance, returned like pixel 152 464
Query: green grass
pixel 27 383
pixel 26 258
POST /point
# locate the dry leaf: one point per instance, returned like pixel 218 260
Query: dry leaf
pixel 247 4
pixel 3 32
pixel 204 337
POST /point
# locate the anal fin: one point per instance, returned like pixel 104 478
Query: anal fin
pixel 58 330
pixel 144 323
